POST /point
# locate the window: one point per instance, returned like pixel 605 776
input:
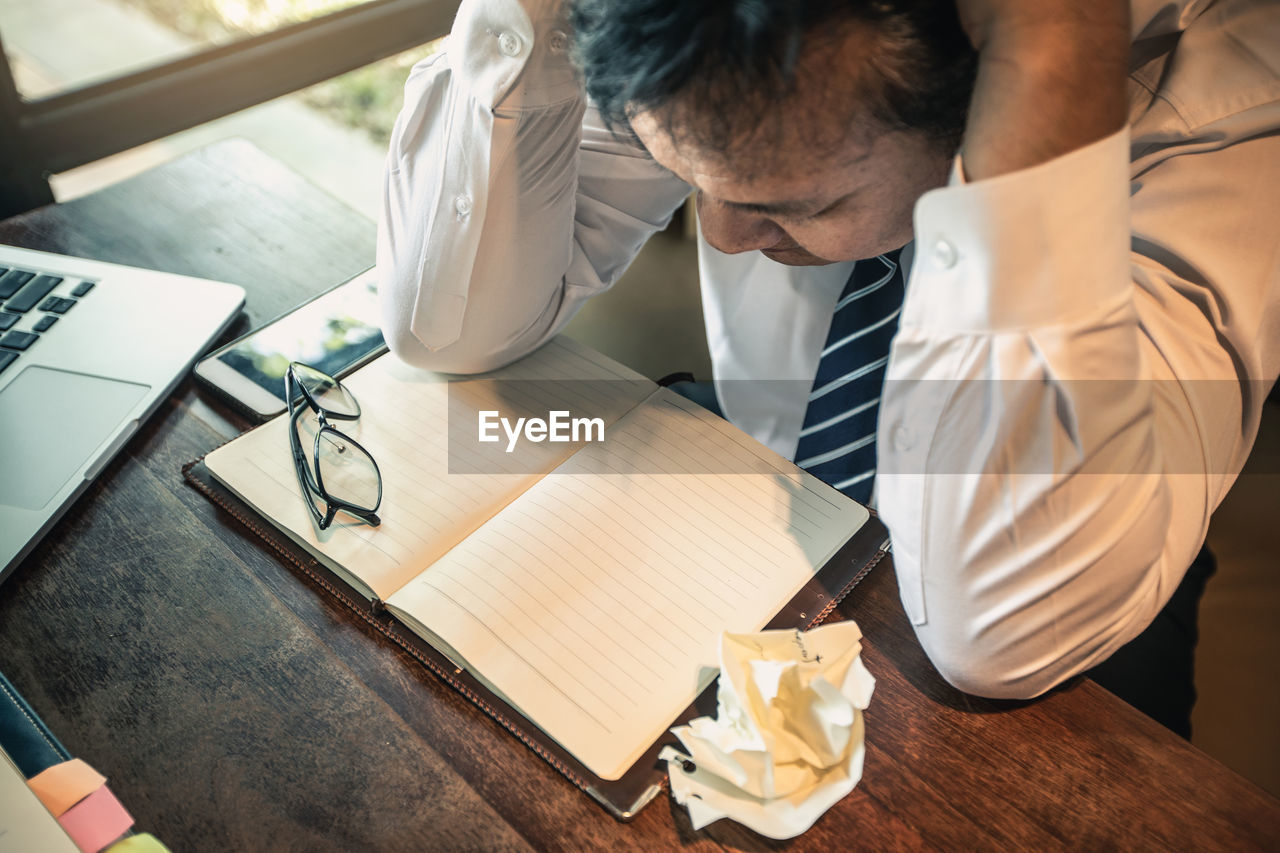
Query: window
pixel 61 108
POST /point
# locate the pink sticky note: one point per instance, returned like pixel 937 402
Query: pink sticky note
pixel 63 785
pixel 96 821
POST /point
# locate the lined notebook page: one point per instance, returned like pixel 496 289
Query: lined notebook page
pixel 425 510
pixel 595 601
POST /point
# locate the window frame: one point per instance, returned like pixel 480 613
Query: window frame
pixel 68 129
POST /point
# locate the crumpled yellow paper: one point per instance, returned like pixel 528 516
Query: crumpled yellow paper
pixel 787 740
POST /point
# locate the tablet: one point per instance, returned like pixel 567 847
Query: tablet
pixel 336 332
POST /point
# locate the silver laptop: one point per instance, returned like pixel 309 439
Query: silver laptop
pixel 88 350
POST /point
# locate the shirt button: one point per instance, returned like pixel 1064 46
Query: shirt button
pixel 901 438
pixel 509 44
pixel 557 41
pixel 462 204
pixel 945 254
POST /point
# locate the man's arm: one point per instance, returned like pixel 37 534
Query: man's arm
pixel 1051 79
pixel 1080 390
pixel 506 203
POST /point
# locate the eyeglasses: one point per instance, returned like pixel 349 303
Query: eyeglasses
pixel 341 475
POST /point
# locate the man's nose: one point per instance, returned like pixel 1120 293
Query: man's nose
pixel 733 230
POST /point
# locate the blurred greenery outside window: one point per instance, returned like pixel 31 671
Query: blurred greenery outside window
pixel 367 98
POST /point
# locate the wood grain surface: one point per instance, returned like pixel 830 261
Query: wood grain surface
pixel 234 708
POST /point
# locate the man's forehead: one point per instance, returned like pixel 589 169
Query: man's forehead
pixel 783 168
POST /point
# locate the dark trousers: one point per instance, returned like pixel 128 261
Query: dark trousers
pixel 1155 671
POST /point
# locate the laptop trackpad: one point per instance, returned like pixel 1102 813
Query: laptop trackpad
pixel 51 422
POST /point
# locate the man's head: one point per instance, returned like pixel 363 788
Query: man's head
pixel 809 129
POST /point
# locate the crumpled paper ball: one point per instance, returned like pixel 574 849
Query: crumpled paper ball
pixel 787 740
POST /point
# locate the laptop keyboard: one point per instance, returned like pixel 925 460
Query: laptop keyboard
pixel 31 303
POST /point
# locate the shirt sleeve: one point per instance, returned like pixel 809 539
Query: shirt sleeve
pixel 506 201
pixel 1069 397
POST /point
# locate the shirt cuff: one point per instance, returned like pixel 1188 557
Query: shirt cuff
pixel 1035 247
pixel 513 54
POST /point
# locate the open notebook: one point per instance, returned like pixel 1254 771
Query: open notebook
pixel 588 585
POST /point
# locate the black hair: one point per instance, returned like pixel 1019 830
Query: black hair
pixel 728 61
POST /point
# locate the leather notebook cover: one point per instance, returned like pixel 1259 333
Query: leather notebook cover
pixel 623 797
pixel 24 735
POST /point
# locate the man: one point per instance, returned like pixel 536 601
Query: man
pixel 1089 326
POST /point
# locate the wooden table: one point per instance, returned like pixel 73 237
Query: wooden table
pixel 233 708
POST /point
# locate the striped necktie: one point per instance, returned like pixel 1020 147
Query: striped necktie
pixel 838 440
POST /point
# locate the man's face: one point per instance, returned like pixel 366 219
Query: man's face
pixel 818 182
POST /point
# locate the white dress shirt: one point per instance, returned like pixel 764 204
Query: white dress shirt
pixel 1084 349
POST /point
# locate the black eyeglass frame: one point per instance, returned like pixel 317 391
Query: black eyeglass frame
pixel 309 476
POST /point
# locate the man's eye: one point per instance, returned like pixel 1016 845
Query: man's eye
pixel 806 216
pixel 791 217
pixel 831 208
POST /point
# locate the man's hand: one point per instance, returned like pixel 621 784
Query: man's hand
pixel 1051 78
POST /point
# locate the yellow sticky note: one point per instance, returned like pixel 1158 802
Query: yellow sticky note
pixel 142 843
pixel 63 785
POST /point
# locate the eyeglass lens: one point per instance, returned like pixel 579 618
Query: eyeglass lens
pixel 328 393
pixel 346 471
